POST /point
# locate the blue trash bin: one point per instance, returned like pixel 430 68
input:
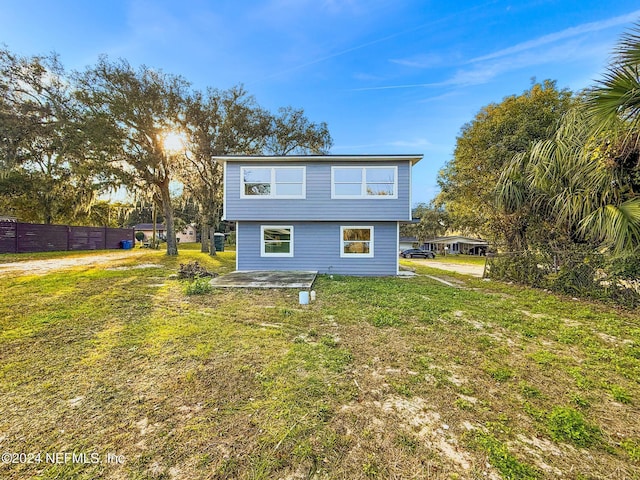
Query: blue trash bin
pixel 126 244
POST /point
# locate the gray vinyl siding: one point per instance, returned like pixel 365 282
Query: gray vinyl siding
pixel 317 246
pixel 318 204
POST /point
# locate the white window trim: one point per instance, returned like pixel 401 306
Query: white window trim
pixel 398 248
pixel 224 190
pixel 410 217
pixel 263 253
pixel 363 187
pixel 272 182
pixel 356 255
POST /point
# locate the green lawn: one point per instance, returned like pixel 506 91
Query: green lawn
pixel 379 378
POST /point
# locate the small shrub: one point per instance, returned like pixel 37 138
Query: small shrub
pixel 199 286
pixel 625 266
pixel 576 278
pixel 520 268
pixel 568 425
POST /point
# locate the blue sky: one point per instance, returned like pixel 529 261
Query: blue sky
pixel 388 76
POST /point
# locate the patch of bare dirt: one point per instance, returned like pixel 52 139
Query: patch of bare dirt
pixel 472 270
pixel 419 417
pixel 42 267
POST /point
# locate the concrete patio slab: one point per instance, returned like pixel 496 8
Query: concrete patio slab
pixel 302 280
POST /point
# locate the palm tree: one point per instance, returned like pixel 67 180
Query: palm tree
pixel 587 177
pixel 614 110
pixel 579 180
pixel 617 95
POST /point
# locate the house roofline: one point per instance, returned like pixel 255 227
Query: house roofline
pixel 318 158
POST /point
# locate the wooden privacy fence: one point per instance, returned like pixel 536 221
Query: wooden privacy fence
pixel 16 237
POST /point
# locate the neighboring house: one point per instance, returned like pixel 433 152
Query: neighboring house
pixel 407 243
pixel 147 229
pixel 327 213
pixel 187 235
pixel 456 244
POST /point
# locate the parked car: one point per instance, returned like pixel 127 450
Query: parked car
pixel 417 252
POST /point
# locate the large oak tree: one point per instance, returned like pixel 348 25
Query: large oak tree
pixel 217 122
pixel 231 122
pixel 44 176
pixel 484 148
pixel 130 112
pixel 64 139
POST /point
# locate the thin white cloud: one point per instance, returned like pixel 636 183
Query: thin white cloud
pixel 367 77
pixel 361 46
pixel 334 55
pixel 437 98
pixel 301 7
pixel 396 87
pixel 572 50
pixel 564 34
pixel 567 46
pixel 418 142
pixel 415 143
pixel 419 61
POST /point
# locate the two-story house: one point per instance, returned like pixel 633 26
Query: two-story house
pixel 327 213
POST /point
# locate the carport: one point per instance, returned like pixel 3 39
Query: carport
pixel 302 280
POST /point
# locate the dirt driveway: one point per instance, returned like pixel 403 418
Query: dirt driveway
pixel 472 270
pixel 41 267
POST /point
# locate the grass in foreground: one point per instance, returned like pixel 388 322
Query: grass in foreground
pixel 379 378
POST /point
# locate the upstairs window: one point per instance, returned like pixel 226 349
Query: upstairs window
pixel 364 182
pixel 272 182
